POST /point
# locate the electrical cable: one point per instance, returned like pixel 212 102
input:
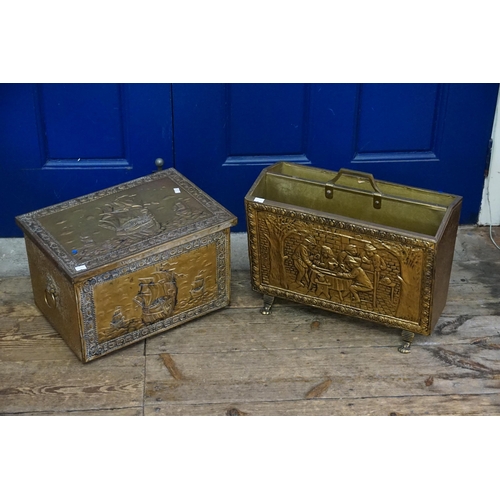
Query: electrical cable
pixel 489 207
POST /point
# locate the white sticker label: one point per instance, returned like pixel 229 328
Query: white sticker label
pixel 81 268
pixel 259 200
pixel 177 190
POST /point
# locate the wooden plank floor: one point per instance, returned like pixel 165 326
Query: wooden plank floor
pixel 297 361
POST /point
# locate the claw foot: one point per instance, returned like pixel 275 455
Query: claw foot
pixel 268 304
pixel 407 340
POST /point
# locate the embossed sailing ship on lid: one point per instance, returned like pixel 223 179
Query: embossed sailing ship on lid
pixel 125 218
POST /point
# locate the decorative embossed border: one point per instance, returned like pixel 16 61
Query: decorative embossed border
pixel 94 349
pixel 219 215
pixel 423 327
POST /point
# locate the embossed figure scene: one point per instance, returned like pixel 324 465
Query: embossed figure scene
pixel 140 298
pixel 340 266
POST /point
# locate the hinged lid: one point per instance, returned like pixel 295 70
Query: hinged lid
pixel 90 231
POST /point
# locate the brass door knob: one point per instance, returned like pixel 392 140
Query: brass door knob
pixel 159 163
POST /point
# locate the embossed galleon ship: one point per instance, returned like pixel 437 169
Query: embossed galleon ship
pixel 343 242
pixel 126 219
pixel 157 296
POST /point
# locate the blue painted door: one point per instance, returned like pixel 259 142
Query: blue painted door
pixel 59 141
pixel 433 136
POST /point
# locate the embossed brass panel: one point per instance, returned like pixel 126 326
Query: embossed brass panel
pixel 140 297
pixel 116 266
pixel 344 242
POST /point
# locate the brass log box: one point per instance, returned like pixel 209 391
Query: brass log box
pixel 343 242
pixel 119 265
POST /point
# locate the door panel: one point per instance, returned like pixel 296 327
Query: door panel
pixel 18 128
pixel 433 136
pixel 81 122
pixel 266 119
pixel 413 115
pixel 60 141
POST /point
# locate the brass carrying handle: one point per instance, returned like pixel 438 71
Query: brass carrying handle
pixel 50 297
pixel 377 195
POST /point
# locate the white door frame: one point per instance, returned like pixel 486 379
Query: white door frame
pixel 491 189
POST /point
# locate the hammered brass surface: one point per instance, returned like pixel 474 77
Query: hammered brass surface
pixel 48 281
pixel 344 242
pixel 340 265
pixel 359 183
pixel 400 213
pixel 120 219
pixel 130 302
pixel 94 230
